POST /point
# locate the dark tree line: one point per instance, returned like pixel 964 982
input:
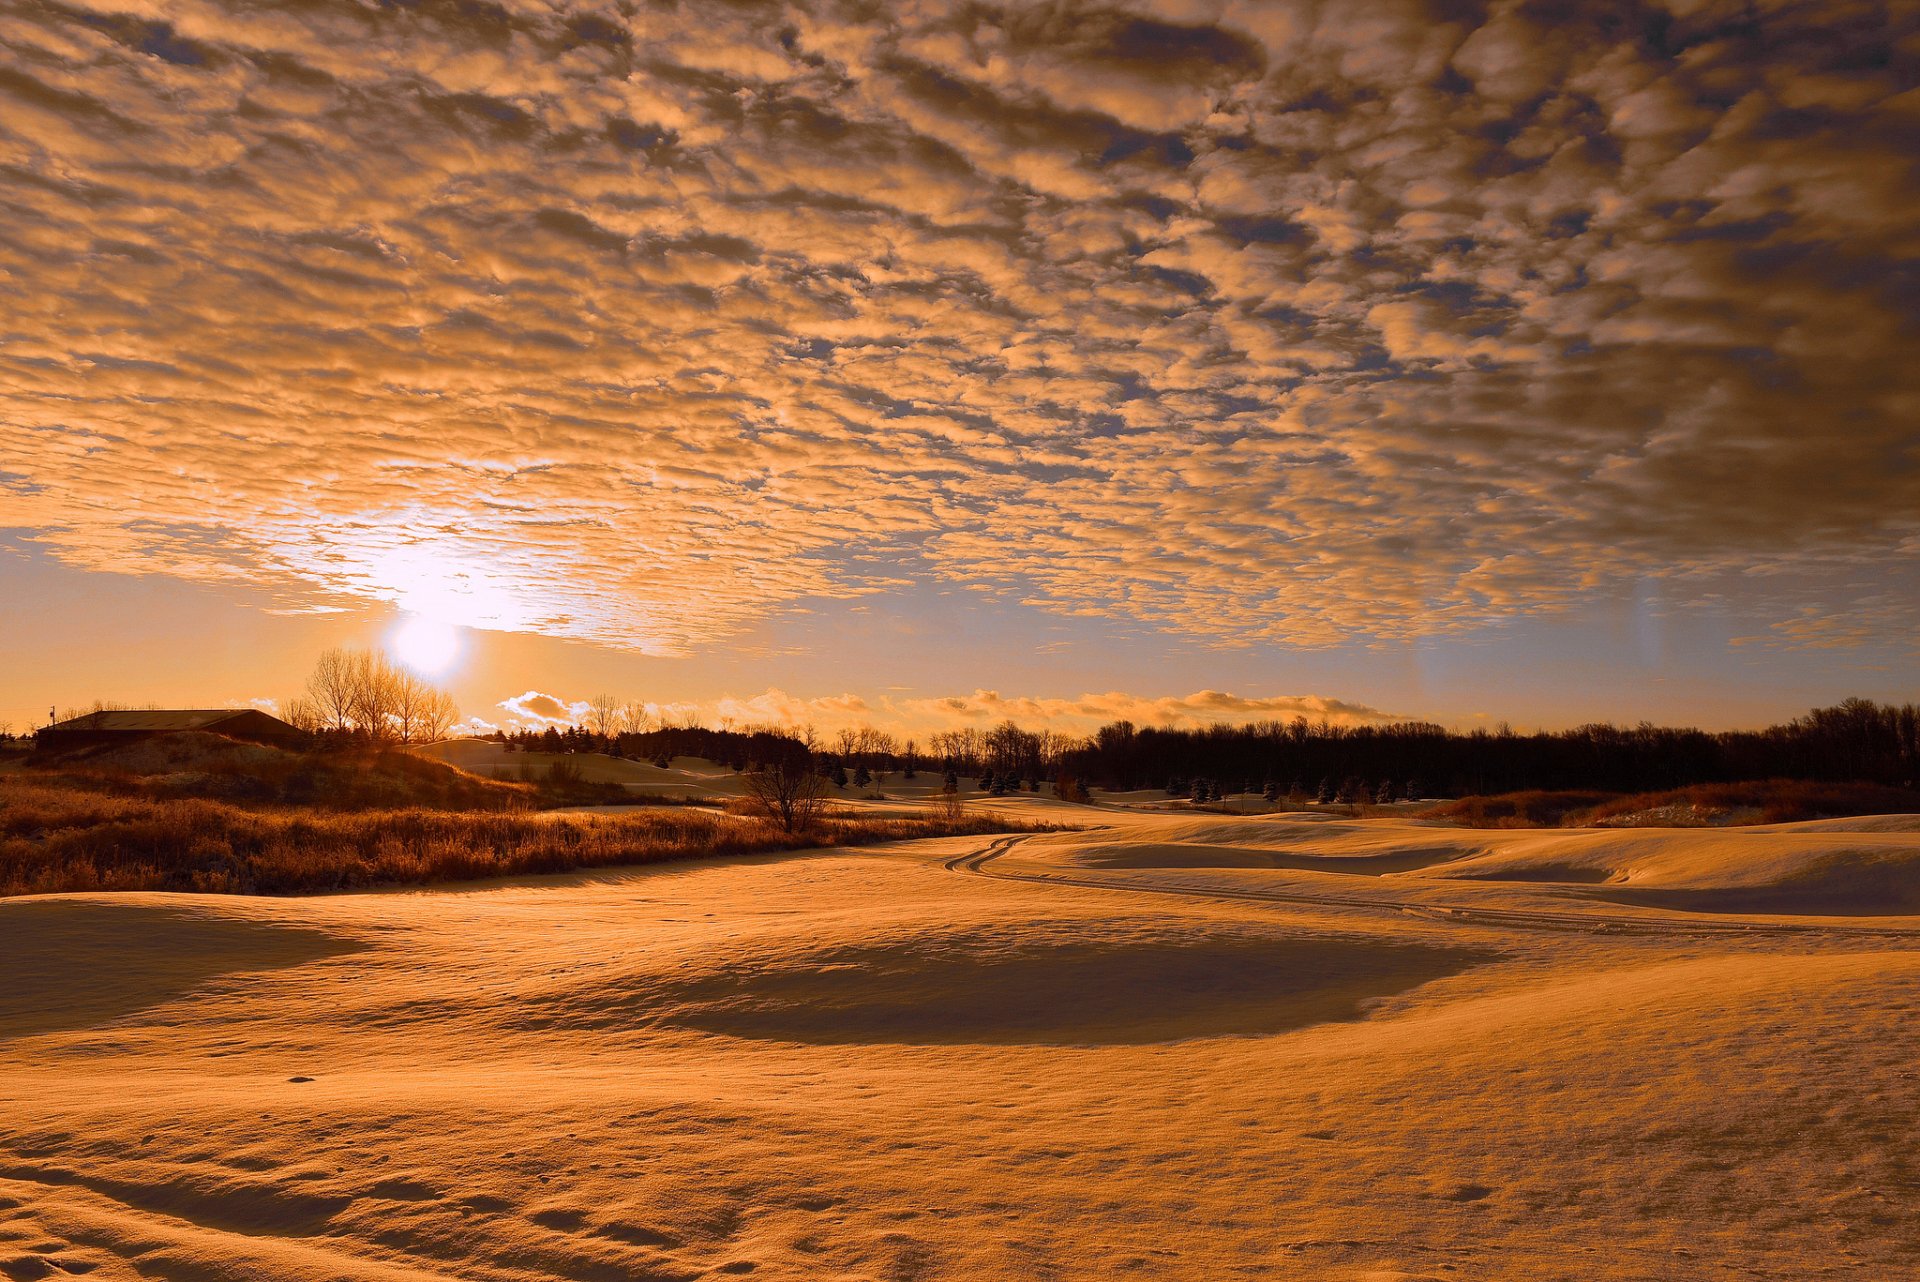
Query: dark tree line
pixel 741 749
pixel 1857 740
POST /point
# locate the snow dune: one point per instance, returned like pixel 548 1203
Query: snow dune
pixel 878 1066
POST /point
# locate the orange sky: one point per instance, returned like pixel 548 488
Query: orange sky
pixel 1545 362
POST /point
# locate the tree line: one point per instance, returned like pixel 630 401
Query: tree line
pixel 1855 740
pixel 1313 760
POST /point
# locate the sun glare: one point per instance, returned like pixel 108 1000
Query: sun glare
pixel 428 646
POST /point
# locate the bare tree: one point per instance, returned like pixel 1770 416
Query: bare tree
pixel 302 714
pixel 438 716
pixel 376 695
pixel 409 696
pixel 359 690
pixel 636 718
pixel 331 689
pixel 791 793
pixel 603 715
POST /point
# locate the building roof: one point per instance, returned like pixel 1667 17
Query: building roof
pixel 164 719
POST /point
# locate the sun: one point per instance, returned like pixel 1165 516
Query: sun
pixel 429 646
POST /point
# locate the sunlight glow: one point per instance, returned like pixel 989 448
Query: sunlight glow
pixel 427 645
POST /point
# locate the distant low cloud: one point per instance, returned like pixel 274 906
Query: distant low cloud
pixel 1091 710
pixel 542 710
pixel 826 714
pixel 778 708
pixel 1254 321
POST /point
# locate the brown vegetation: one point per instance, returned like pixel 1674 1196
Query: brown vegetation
pixel 55 836
pixel 1700 806
pixel 211 767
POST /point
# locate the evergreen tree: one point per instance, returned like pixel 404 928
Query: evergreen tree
pixel 861 777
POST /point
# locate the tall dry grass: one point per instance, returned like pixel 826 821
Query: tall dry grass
pixel 62 838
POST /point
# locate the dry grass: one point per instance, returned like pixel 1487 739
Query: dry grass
pixel 57 837
pixel 1709 805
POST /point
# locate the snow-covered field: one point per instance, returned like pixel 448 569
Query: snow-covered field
pixel 1177 1047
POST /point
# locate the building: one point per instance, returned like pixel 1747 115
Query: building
pixel 93 728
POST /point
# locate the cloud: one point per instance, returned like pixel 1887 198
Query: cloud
pixel 1089 711
pixel 542 710
pixel 782 710
pixel 774 707
pixel 1257 322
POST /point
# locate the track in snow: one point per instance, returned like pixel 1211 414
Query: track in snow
pixel 1517 918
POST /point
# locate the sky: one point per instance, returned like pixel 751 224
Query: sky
pixel 926 363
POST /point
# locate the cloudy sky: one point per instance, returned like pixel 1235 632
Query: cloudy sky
pixel 1546 361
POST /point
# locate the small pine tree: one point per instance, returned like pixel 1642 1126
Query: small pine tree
pixel 1271 792
pixel 862 777
pixel 1200 792
pixel 1325 794
pixel 1384 793
pixel 999 788
pixel 1176 786
pixel 951 783
pixel 839 775
pixel 1414 792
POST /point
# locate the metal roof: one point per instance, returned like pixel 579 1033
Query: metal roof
pixel 162 719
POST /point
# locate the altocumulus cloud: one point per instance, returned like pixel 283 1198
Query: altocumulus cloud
pixel 827 713
pixel 1298 322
